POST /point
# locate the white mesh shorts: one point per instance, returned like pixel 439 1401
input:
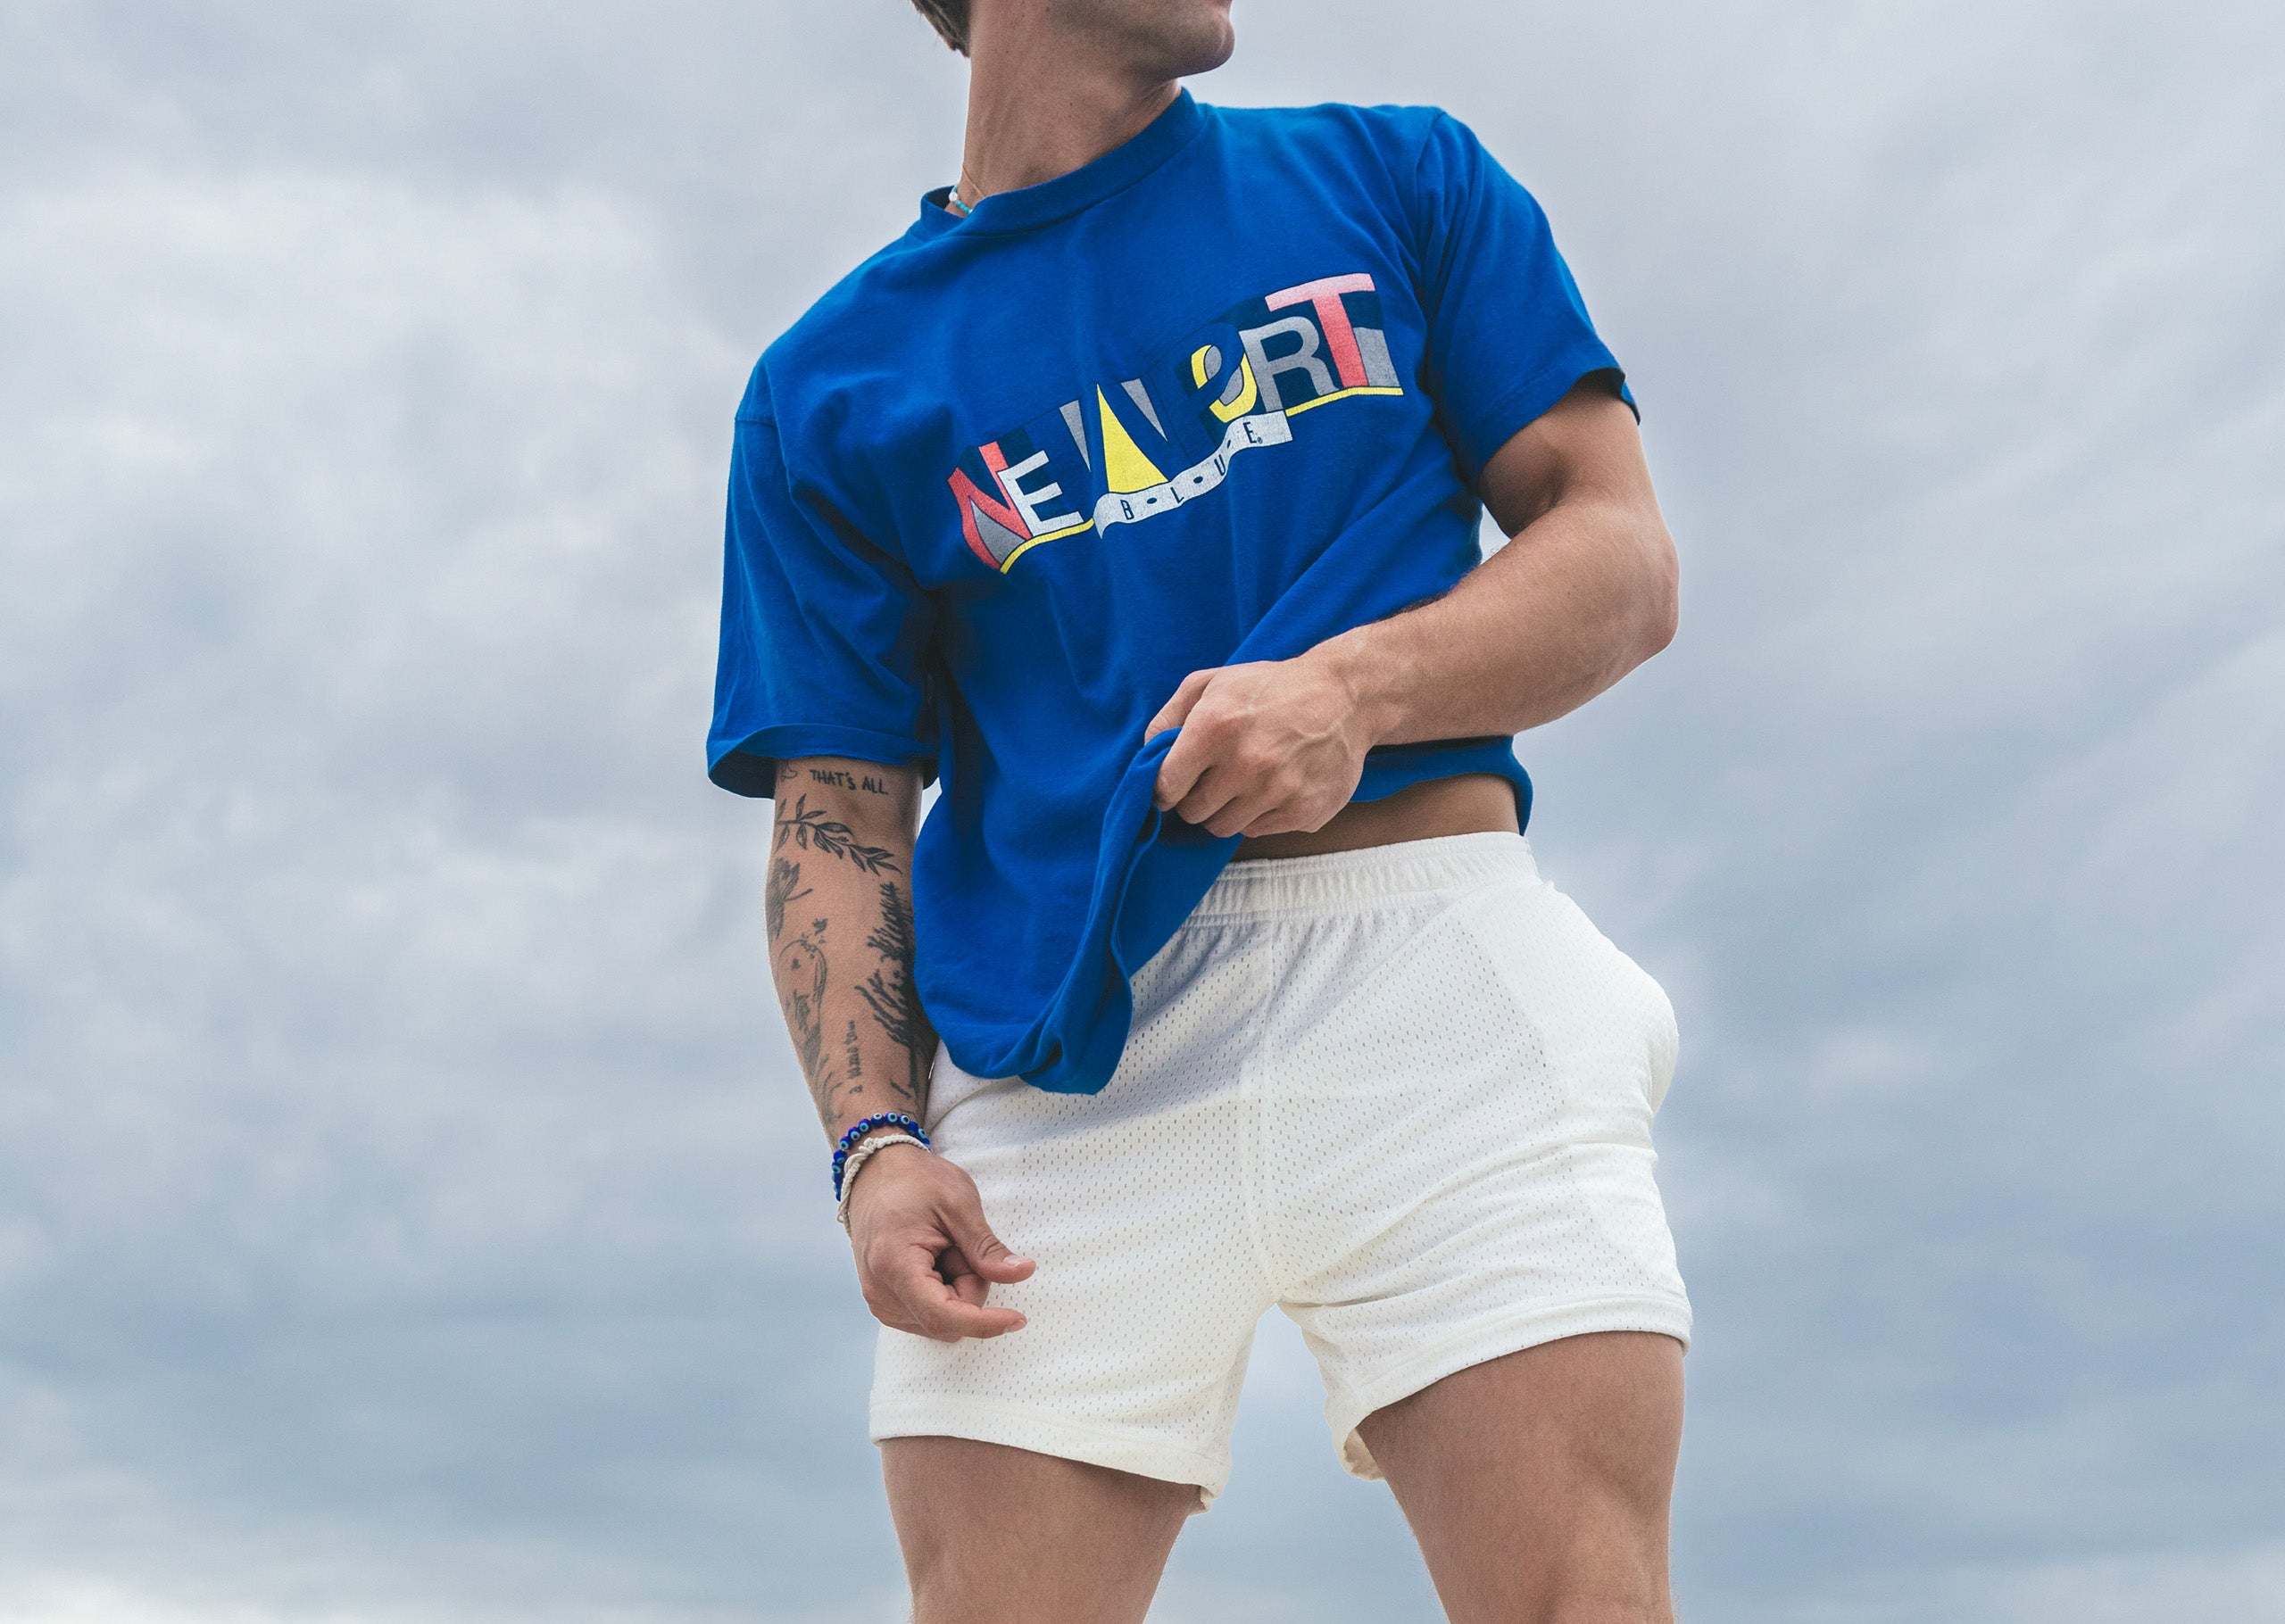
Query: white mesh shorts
pixel 1403 1094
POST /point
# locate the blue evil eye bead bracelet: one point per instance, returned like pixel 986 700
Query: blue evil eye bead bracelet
pixel 885 1119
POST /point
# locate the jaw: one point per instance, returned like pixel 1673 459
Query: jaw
pixel 1157 40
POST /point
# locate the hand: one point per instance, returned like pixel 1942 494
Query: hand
pixel 924 1256
pixel 1268 748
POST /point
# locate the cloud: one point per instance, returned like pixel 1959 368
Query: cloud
pixel 407 1206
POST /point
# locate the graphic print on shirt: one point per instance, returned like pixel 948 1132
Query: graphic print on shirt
pixel 1139 447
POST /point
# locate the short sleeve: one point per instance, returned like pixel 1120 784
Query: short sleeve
pixel 1508 335
pixel 826 636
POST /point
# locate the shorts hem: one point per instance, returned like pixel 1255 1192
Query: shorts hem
pixel 1494 1337
pixel 1018 1427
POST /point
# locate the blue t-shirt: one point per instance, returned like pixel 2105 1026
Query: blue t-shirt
pixel 1218 395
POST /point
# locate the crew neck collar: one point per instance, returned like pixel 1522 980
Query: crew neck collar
pixel 1067 195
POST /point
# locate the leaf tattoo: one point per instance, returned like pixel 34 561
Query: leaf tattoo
pixel 814 832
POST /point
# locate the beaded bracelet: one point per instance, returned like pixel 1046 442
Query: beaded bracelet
pixel 885 1119
pixel 857 1159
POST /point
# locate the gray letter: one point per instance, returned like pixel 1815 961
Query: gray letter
pixel 1304 360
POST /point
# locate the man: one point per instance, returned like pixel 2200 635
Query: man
pixel 1134 492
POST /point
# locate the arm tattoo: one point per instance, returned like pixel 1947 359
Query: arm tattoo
pixel 889 990
pixel 840 780
pixel 893 939
pixel 806 977
pixel 814 830
pixel 785 874
pixel 833 1064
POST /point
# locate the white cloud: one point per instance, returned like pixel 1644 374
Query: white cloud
pixel 406 1207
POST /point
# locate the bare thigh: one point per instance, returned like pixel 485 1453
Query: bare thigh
pixel 999 1536
pixel 1538 1484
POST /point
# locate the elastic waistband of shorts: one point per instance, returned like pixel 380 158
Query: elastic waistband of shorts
pixel 1341 881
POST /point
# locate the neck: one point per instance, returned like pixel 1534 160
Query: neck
pixel 1041 104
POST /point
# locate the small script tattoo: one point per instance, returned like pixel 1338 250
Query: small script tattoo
pixel 814 832
pixel 864 782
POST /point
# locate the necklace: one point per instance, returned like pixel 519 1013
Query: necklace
pixel 957 203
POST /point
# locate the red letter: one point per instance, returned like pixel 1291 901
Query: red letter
pixel 973 502
pixel 1325 294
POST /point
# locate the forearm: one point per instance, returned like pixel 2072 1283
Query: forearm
pixel 1583 593
pixel 838 907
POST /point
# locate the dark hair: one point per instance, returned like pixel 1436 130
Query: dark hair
pixel 949 18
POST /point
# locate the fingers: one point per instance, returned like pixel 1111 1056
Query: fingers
pixel 1233 796
pixel 1229 766
pixel 1275 743
pixel 906 1292
pixel 1221 803
pixel 1239 798
pixel 1190 755
pixel 967 1284
pixel 1188 760
pixel 1207 768
pixel 1286 820
pixel 926 1265
pixel 1176 710
pixel 977 1246
pixel 1278 805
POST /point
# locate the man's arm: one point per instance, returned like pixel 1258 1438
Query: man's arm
pixel 1583 592
pixel 838 907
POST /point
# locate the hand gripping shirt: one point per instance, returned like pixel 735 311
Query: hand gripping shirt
pixel 1215 397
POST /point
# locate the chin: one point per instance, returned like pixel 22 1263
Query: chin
pixel 1214 52
pixel 1210 38
pixel 1172 38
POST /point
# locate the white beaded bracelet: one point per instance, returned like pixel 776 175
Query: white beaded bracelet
pixel 857 1159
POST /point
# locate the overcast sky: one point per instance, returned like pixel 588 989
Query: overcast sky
pixel 408 1210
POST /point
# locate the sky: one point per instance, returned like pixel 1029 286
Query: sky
pixel 409 1208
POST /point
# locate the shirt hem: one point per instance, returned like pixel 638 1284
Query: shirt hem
pixel 1536 395
pixel 750 766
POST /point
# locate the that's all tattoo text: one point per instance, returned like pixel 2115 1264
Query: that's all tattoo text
pixel 840 779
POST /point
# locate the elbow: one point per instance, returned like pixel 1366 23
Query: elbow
pixel 1661 600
